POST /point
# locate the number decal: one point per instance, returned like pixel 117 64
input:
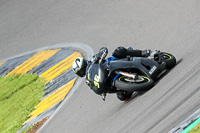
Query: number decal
pixel 96 81
pixel 152 70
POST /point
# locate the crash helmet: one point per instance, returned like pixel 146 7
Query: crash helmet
pixel 79 66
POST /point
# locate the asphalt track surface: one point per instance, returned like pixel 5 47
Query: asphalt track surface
pixel 168 25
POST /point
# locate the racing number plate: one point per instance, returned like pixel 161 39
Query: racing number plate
pixel 96 81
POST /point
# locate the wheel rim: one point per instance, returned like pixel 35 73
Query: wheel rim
pixel 140 79
pixel 166 57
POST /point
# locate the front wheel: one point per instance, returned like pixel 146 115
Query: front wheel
pixel 142 83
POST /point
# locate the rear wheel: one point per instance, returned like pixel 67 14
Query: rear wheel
pixel 169 59
pixel 128 84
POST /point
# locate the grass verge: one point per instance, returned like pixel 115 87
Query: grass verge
pixel 18 96
pixel 196 129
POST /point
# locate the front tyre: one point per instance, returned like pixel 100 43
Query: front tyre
pixel 127 84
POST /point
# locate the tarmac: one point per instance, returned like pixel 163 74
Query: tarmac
pixel 170 26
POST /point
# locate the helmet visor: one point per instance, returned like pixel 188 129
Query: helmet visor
pixel 76 69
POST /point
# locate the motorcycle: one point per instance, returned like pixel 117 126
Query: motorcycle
pixel 128 75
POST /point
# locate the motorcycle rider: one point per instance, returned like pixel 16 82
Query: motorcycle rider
pixel 80 65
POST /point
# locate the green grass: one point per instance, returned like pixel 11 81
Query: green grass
pixel 25 130
pixel 196 129
pixel 18 96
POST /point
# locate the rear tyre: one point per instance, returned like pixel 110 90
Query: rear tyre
pixel 169 59
pixel 127 84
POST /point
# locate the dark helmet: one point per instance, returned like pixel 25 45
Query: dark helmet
pixel 79 66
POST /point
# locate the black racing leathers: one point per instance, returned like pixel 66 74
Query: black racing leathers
pixel 122 52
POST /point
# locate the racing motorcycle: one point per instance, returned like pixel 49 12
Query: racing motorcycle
pixel 128 75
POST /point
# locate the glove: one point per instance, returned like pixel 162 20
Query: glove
pixel 103 51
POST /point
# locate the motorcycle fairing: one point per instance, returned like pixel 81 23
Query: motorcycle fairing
pixel 96 75
pixel 145 65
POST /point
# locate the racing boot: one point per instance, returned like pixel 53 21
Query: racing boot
pixel 152 54
pixel 146 53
